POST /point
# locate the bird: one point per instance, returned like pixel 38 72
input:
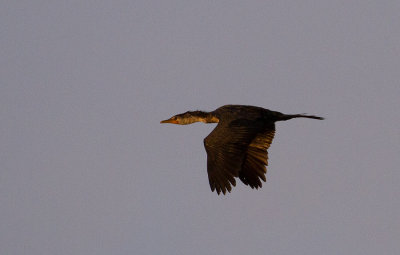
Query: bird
pixel 238 145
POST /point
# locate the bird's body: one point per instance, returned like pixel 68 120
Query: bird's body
pixel 238 146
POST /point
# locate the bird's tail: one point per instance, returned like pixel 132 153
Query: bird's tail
pixel 291 116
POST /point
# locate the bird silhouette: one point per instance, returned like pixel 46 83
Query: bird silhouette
pixel 238 146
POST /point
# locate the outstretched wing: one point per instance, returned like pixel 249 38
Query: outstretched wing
pixel 227 152
pixel 254 165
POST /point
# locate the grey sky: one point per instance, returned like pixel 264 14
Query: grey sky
pixel 86 168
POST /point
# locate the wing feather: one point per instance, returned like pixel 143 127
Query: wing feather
pixel 254 165
pixel 237 149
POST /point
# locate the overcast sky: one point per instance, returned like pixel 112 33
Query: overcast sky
pixel 86 168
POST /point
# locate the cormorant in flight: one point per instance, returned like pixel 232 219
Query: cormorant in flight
pixel 238 146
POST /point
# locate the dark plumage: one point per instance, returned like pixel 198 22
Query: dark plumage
pixel 238 146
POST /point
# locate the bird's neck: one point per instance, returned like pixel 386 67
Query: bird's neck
pixel 200 116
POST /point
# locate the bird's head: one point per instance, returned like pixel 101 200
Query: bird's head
pixel 187 118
